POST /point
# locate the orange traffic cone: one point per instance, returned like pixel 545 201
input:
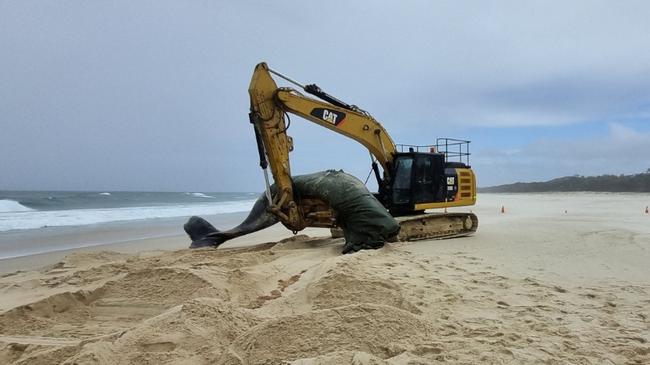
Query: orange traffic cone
pixel 503 209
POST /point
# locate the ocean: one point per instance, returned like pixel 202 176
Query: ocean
pixel 34 210
pixel 37 222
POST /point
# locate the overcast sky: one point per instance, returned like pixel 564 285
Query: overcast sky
pixel 152 95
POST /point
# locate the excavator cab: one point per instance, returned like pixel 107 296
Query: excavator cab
pixel 426 180
pixel 419 178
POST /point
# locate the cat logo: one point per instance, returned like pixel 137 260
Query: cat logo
pixel 330 116
pixel 451 180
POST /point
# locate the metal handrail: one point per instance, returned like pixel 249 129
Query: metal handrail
pixel 452 148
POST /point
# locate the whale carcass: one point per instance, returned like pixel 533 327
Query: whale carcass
pixel 365 222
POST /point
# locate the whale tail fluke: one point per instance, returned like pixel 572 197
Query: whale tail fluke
pixel 202 233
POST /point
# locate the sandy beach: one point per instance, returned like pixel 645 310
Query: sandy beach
pixel 557 279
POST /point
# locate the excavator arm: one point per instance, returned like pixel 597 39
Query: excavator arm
pixel 273 143
pixel 270 104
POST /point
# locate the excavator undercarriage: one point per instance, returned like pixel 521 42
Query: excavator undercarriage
pixel 436 226
pixel 431 226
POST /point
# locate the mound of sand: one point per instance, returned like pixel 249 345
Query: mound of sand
pixel 300 302
pixel 116 305
pixel 192 333
pixel 376 329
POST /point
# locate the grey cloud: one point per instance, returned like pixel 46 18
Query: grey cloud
pixel 155 92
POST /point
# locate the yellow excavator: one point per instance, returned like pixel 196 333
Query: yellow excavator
pixel 412 178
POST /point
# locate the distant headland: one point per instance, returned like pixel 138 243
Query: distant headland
pixel 637 183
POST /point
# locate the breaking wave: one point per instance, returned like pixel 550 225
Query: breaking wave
pixel 7 205
pixel 26 218
pixel 201 195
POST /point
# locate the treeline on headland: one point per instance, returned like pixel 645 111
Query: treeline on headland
pixel 638 183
